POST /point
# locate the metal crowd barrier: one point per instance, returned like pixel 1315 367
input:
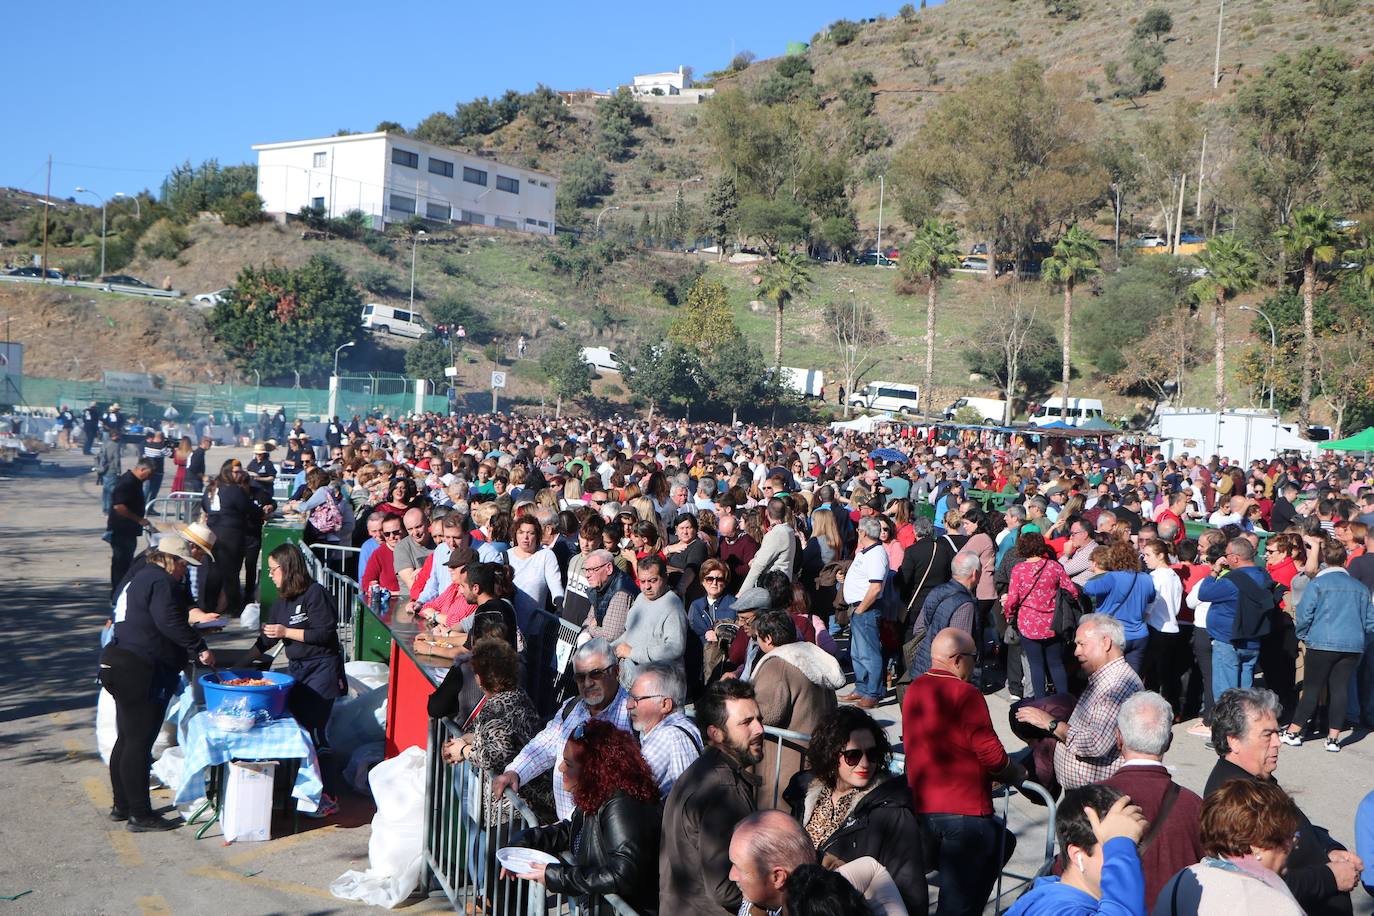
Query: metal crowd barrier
pixel 1023 882
pixel 182 506
pixel 344 591
pixel 464 827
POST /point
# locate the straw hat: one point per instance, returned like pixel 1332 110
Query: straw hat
pixel 261 448
pixel 174 546
pixel 199 534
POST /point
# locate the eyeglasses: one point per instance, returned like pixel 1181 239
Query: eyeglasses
pixel 596 568
pixel 632 699
pixel 712 578
pixel 593 674
pixel 852 755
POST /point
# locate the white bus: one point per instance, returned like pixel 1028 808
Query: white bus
pixel 890 396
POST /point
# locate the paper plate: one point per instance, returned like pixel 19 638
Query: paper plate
pixel 518 859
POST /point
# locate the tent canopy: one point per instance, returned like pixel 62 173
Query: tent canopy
pixel 1360 442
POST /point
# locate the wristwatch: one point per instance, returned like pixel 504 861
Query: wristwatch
pixel 1053 726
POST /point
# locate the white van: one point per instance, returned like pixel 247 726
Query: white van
pixel 387 320
pixel 1078 411
pixel 990 410
pixel 890 396
pixel 809 383
pixel 602 359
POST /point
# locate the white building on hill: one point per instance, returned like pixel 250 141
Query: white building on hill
pixel 670 83
pixel 392 177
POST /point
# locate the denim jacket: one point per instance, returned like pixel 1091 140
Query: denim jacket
pixel 1335 612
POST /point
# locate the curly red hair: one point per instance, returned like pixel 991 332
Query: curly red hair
pixel 610 762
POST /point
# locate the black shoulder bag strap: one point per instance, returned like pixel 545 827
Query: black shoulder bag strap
pixel 1170 796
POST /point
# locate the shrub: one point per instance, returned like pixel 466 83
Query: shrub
pixel 351 225
pixel 376 280
pixel 165 240
pixel 380 245
pixel 314 217
pixel 843 31
pixel 241 210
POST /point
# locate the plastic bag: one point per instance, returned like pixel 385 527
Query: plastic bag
pixel 168 768
pixel 365 676
pixel 360 764
pixel 395 850
pixel 251 616
pixel 356 721
pixel 106 731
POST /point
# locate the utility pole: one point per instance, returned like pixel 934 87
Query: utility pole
pixel 1216 64
pixel 47 198
pixel 881 180
pixel 1201 166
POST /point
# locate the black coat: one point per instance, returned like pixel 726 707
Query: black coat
pixel 618 853
pixel 882 825
pixel 1307 876
pixel 152 622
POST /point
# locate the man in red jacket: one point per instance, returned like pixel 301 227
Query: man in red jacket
pixel 952 756
pixel 1172 841
pixel 381 565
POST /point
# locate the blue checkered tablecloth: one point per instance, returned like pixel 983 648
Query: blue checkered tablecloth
pixel 279 739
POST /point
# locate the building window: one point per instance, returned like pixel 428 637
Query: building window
pixel 510 185
pixel 317 203
pixel 474 176
pixel 531 221
pixel 503 223
pixel 402 204
pixel 320 159
pixel 438 211
pixel 470 216
pixel 405 157
pixel 543 224
pixel 440 167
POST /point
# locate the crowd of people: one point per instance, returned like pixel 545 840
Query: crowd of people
pixel 1111 593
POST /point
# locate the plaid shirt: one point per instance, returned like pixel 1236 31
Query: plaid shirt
pixel 1089 753
pixel 671 746
pixel 546 748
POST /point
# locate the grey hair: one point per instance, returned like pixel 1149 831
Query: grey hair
pixel 1017 512
pixel 669 681
pixel 679 486
pixel 1038 502
pixel 964 563
pixel 1241 548
pixel 706 486
pixel 1167 528
pixel 1105 625
pixel 776 840
pixel 922 527
pixel 597 557
pixel 597 647
pixel 871 527
pixel 546 516
pixel 1233 711
pixel 1146 723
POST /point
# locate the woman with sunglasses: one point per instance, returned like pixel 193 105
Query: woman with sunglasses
pixel 613 835
pixel 852 806
pixel 712 619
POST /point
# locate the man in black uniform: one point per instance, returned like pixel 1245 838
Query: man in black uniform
pixel 195 467
pixel 333 432
pixel 156 453
pixel 126 519
pixel 90 426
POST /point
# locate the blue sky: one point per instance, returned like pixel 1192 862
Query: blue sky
pixel 119 93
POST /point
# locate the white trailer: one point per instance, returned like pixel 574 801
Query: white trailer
pixel 1240 435
pixel 809 383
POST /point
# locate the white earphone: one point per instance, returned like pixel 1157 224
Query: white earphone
pixel 1079 860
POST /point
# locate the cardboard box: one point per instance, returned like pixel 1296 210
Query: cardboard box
pixel 248 801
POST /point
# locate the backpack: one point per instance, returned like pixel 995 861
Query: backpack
pixel 326 517
pixel 1254 608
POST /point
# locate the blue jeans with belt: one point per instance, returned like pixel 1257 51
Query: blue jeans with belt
pixel 867 652
pixel 970 851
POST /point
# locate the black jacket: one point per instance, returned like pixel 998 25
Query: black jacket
pixel 935 554
pixel 707 801
pixel 237 514
pixel 313 611
pixel 617 854
pixel 882 825
pixel 151 620
pixel 1311 882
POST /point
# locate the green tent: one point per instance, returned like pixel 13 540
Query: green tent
pixel 1360 442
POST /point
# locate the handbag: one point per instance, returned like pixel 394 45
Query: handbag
pixel 1068 610
pixel 326 517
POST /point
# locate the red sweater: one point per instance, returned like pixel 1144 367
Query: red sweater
pixel 951 747
pixel 381 570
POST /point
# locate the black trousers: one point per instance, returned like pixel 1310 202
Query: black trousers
pixel 122 547
pixel 140 707
pixel 1331 670
pixel 224 582
pixel 1167 657
pixel 252 553
pixel 89 433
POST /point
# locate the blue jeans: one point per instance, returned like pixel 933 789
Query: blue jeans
pixel 1043 654
pixel 1232 666
pixel 966 856
pixel 867 652
pixel 107 491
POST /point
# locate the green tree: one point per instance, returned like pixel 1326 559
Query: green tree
pixel 165 239
pixel 1154 23
pixel 452 311
pixel 1016 350
pixel 843 31
pixel 841 233
pixel 427 359
pixel 241 210
pixel 1075 259
pixel 792 82
pixel 705 322
pixel 1310 236
pixel 930 255
pixel 585 181
pixel 1133 300
pixel 722 206
pixel 783 279
pixel 1144 61
pixel 1231 269
pixel 545 116
pixel 759 146
pixel 662 373
pixel 279 320
pixel 441 128
pixel 389 127
pixel 773 222
pixel 737 375
pixel 616 120
pixel 569 374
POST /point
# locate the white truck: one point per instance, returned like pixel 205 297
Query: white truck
pixel 1242 435
pixel 809 383
pixel 989 410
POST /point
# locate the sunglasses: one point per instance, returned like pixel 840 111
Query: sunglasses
pixel 713 578
pixel 591 676
pixel 393 534
pixel 851 756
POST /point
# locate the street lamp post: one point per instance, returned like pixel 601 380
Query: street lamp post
pixel 339 349
pixel 138 208
pixel 1273 346
pixel 414 243
pixel 102 225
pixel 598 219
pixel 334 379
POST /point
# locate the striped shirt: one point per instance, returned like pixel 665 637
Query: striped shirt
pixel 670 747
pixel 546 749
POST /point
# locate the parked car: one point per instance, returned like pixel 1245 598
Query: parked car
pixel 37 272
pixel 872 258
pixel 990 410
pixel 1151 241
pixel 215 298
pixel 125 280
pixel 388 320
pixel 974 262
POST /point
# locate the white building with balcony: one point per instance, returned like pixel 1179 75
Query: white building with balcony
pixel 669 83
pixel 392 177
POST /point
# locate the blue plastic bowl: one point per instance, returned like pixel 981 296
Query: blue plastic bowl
pixel 271 699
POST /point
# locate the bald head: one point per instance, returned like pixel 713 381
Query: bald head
pixel 953 650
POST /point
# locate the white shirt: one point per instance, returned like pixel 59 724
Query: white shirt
pixel 869 566
pixel 1162 614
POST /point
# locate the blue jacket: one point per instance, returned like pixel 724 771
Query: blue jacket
pixel 1125 596
pixel 1123 889
pixel 1364 838
pixel 700 621
pixel 1224 597
pixel 1335 612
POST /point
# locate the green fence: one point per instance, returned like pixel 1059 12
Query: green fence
pixel 385 393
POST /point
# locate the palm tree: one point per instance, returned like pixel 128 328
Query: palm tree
pixel 782 281
pixel 1310 235
pixel 932 254
pixel 1230 268
pixel 1075 258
